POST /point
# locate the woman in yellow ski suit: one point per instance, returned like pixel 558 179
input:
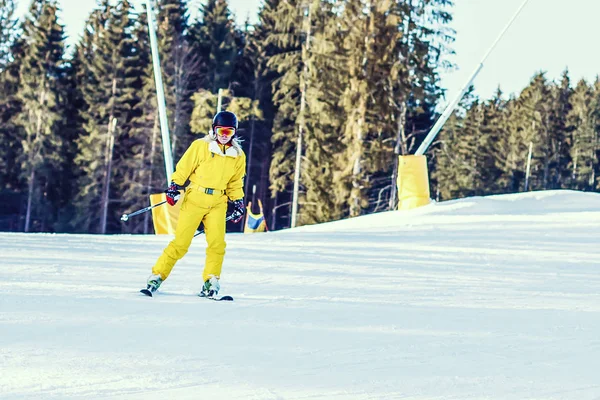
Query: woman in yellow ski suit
pixel 215 166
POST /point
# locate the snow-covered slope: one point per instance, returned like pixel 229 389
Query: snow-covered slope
pixel 481 298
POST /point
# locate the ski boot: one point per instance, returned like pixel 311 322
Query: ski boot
pixel 152 285
pixel 210 288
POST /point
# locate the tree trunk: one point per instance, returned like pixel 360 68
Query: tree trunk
pixel 32 156
pixel 110 142
pixel 361 112
pixel 546 172
pixel 264 184
pixel 30 187
pixel 357 176
pixel 400 148
pixel 252 127
pixel 46 215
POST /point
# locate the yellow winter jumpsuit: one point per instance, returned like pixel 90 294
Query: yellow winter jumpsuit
pixel 211 168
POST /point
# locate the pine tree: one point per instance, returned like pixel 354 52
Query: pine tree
pixel 302 64
pixel 468 154
pixel 8 24
pixel 38 80
pixel 583 123
pixel 214 36
pixel 205 105
pixel 247 81
pixel 510 152
pixel 109 94
pixel 443 175
pixel 259 151
pixel 459 162
pixel 92 143
pixel 492 129
pixel 322 199
pixel 531 125
pixel 8 84
pixel 380 86
pixel 362 22
pixel 561 143
pixel 284 67
pixel 127 186
pixel 595 117
pixel 68 128
pixel 10 51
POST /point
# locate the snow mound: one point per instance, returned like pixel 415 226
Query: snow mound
pixel 541 205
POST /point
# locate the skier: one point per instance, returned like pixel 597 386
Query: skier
pixel 215 166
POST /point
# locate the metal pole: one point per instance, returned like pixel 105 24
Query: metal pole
pixel 527 173
pixel 160 94
pixel 112 126
pixel 125 217
pixel 450 109
pixel 220 100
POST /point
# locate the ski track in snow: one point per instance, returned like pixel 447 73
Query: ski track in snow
pixel 480 298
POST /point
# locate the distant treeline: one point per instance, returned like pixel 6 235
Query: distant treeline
pixel 547 137
pixel 81 140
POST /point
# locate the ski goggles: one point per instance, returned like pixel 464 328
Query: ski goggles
pixel 226 131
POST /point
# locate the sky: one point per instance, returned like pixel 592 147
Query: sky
pixel 548 35
pixel 494 298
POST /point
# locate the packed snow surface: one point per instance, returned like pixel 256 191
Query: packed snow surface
pixel 481 298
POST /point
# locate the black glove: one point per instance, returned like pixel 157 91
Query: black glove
pixel 239 208
pixel 172 193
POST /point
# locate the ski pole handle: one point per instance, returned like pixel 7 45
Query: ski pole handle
pixel 125 217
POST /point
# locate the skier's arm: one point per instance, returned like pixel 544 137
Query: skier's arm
pixel 186 164
pixel 235 186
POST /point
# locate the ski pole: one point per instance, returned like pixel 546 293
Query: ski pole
pixel 200 232
pixel 125 217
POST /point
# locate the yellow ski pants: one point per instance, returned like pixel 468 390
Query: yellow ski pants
pixel 197 207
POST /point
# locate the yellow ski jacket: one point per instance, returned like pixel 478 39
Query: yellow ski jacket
pixel 211 165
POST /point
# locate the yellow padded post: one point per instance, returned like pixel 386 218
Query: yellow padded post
pixel 413 182
pixel 165 217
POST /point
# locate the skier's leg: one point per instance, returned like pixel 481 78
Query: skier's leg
pixel 190 216
pixel 214 228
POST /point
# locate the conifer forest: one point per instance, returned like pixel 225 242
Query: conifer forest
pixel 358 81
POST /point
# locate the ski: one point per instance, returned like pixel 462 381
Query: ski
pixel 223 298
pixel 147 292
